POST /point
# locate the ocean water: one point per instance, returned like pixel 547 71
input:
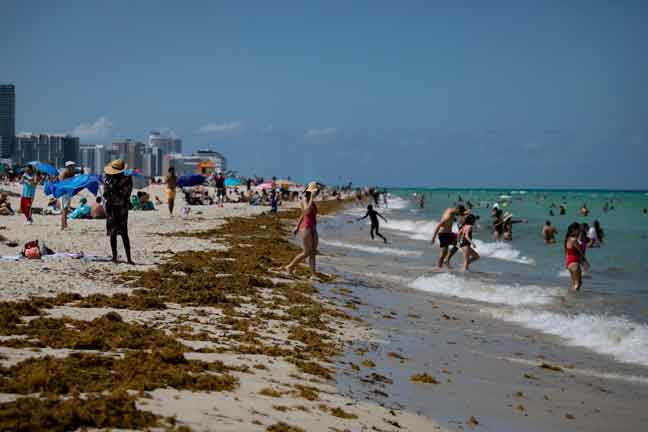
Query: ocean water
pixel 524 281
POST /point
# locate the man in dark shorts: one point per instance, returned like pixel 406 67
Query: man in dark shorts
pixel 375 224
pixel 444 231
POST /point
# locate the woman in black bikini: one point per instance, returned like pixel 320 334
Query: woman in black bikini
pixel 466 243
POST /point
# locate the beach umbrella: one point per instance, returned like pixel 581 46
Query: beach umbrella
pixel 285 184
pixel 44 168
pixel 139 180
pixel 73 185
pixel 232 181
pixel 190 180
pixel 133 173
pixel 265 185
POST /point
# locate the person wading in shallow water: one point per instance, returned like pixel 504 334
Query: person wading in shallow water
pixel 444 231
pixel 574 255
pixel 375 224
pixel 117 191
pixel 307 227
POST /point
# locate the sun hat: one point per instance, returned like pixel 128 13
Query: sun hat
pixel 117 166
pixel 70 163
pixel 312 187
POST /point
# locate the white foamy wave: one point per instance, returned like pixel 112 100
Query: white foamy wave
pixel 503 251
pixel 417 230
pixel 619 337
pixel 397 203
pixel 583 371
pixel 485 291
pixel 372 249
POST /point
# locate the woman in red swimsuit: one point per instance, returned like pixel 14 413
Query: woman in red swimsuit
pixel 307 226
pixel 574 255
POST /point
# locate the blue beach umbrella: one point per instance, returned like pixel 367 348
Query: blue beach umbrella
pixel 190 180
pixel 73 185
pixel 133 173
pixel 44 168
pixel 232 181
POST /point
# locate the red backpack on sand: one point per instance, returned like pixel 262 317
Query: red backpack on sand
pixel 31 250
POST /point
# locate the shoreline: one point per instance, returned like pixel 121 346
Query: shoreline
pixel 509 378
pixel 205 338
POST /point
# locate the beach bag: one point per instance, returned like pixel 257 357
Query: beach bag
pixel 31 250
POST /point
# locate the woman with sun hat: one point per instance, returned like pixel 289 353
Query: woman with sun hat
pixel 117 191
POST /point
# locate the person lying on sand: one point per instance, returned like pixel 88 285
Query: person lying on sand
pixel 5 205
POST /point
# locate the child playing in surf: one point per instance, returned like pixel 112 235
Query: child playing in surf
pixel 375 224
pixel 466 243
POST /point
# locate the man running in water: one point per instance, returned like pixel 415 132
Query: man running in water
pixel 375 224
pixel 445 234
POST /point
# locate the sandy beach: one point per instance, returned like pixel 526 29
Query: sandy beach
pixel 199 335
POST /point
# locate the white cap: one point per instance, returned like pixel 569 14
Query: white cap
pixel 496 205
pixel 70 163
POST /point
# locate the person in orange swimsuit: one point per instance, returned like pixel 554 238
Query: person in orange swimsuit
pixel 574 255
pixel 307 227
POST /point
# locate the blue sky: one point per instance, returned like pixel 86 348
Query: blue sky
pixel 415 93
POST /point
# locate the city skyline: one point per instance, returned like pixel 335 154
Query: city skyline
pixel 517 94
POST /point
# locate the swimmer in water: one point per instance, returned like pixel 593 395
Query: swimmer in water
pixel 375 224
pixel 574 255
pixel 549 233
pixel 562 210
pixel 444 231
pixel 584 211
pixel 466 243
pixel 498 224
pixel 508 226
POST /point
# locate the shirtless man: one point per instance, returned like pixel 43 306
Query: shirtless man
pixel 445 234
pixel 549 233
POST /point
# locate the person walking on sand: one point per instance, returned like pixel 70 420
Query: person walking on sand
pixel 221 194
pixel 66 200
pixel 466 242
pixel 171 182
pixel 117 191
pixel 375 224
pixel 549 233
pixel 307 226
pixel 574 255
pixel 444 231
pixel 29 181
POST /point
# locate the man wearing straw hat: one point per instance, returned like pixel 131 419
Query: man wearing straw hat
pixel 117 191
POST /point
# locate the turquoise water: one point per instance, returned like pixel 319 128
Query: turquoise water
pixel 619 268
pixel 523 281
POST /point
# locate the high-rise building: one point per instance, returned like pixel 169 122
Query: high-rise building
pixel 152 162
pixel 87 158
pixel 92 158
pixel 71 148
pixel 191 164
pixel 54 149
pixel 7 120
pixel 26 148
pixel 166 144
